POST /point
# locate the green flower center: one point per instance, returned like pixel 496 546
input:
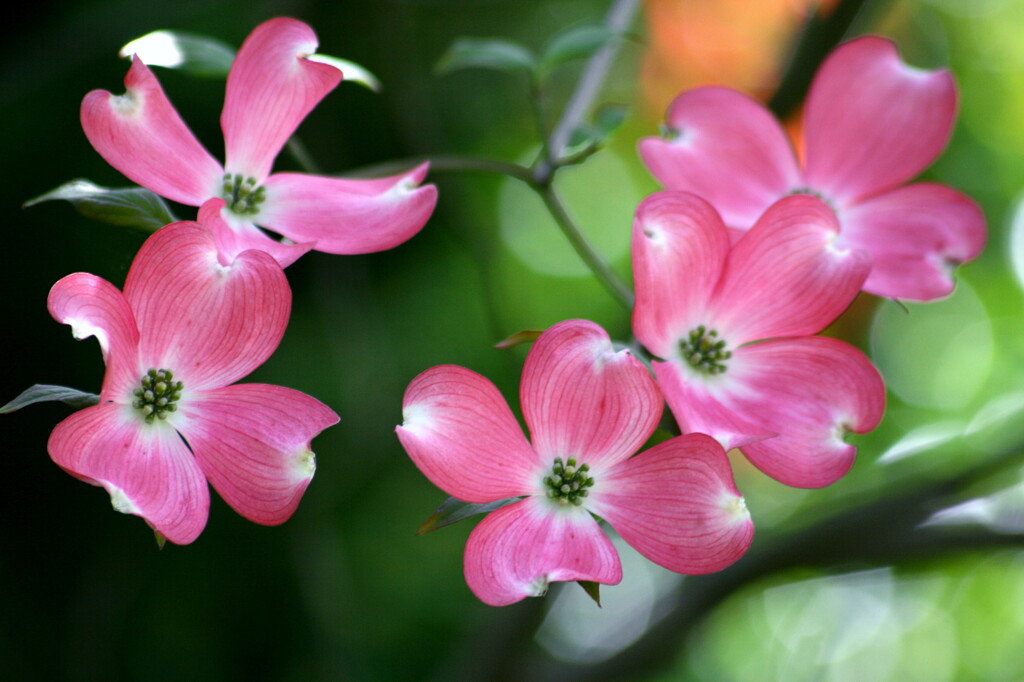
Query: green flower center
pixel 242 195
pixel 158 395
pixel 813 193
pixel 568 484
pixel 704 351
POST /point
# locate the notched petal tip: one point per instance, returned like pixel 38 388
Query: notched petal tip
pixel 120 501
pixel 305 464
pixel 735 507
pixel 416 418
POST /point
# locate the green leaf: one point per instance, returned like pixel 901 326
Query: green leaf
pixel 41 393
pixel 587 138
pixel 486 53
pixel 454 510
pixel 525 336
pixel 350 71
pixel 576 43
pixel 160 539
pixel 192 53
pixel 592 589
pixel 127 207
pixel 609 117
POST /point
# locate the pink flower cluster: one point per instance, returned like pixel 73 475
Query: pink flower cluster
pixel 738 266
pixel 207 302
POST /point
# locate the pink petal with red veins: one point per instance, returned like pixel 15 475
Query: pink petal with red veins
pixel 518 550
pixel 730 150
pixel 813 391
pixel 872 122
pixel 348 216
pixel 253 443
pixel 141 135
pixel 697 404
pixel 233 235
pixel 146 468
pixel 677 504
pixel 271 88
pixel 583 399
pixel 679 250
pixel 95 307
pixel 789 275
pixel 916 236
pixel 460 432
pixel 211 325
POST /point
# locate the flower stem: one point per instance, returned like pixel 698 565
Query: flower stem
pixel 619 18
pixel 594 260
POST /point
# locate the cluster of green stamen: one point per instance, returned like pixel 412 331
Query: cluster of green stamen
pixel 704 351
pixel 568 484
pixel 668 133
pixel 242 195
pixel 813 193
pixel 159 394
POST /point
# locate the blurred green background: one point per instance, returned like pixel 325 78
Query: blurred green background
pixel 842 584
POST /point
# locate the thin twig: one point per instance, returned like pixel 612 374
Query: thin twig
pixel 619 18
pixel 594 260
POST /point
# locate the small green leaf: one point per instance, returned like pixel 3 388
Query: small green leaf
pixel 454 510
pixel 192 53
pixel 41 393
pixel 351 72
pixel 126 207
pixel 576 43
pixel 609 117
pixel 525 336
pixel 592 589
pixel 486 53
pixel 583 137
pixel 160 539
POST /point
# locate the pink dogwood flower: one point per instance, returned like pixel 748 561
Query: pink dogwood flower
pixel 588 409
pixel 273 84
pixel 871 124
pixel 169 419
pixel 731 328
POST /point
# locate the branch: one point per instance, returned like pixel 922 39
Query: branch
pixel 619 18
pixel 819 36
pixel 884 532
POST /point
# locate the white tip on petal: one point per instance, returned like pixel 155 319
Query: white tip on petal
pixel 159 48
pixel 735 506
pixel 539 586
pixel 305 464
pixel 416 417
pixel 120 500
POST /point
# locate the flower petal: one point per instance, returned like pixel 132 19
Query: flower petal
pixel 234 234
pixel 460 432
pixel 583 399
pixel 677 504
pixel 253 443
pixel 208 323
pixel 679 250
pixel 146 468
pixel 271 88
pixel 95 307
pixel 872 122
pixel 812 391
pixel 730 150
pixel 140 134
pixel 516 551
pixel 916 236
pixel 788 276
pixel 697 404
pixel 348 216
